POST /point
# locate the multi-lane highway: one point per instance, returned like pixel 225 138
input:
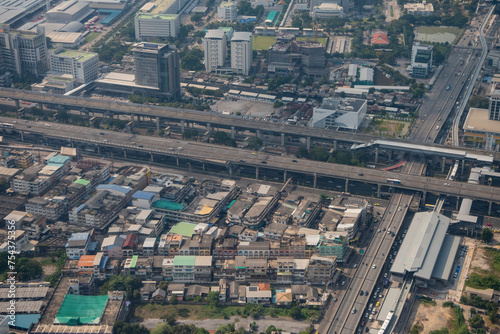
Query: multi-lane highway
pixel 230 156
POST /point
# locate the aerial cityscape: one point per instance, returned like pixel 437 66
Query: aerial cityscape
pixel 249 166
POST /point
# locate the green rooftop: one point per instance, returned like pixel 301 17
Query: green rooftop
pixel 168 205
pixel 82 181
pixel 134 261
pixel 185 260
pixel 158 16
pixel 184 229
pixel 82 56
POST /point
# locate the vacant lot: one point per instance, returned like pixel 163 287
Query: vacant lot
pixel 437 34
pixel 388 128
pixel 429 317
pixel 244 107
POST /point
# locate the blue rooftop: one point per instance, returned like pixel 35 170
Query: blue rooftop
pixel 143 195
pixel 114 187
pixel 25 321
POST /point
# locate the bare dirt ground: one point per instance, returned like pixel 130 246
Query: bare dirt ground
pixel 245 107
pixel 480 263
pixel 430 317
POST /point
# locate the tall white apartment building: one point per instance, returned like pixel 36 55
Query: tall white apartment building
pixel 241 52
pixel 215 49
pixel 156 25
pixel 227 10
pixel 83 66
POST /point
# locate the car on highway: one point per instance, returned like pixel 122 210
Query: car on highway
pixel 385 275
pixel 448 87
pixel 361 293
pixel 366 293
pixel 353 310
pixel 374 266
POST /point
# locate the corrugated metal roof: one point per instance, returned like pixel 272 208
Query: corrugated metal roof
pixel 143 195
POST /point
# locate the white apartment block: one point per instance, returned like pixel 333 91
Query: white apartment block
pixel 227 10
pixel 83 66
pixel 156 25
pixel 214 47
pixel 241 52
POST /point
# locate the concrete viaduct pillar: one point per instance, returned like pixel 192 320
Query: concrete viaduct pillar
pixel 125 153
pixel 257 173
pixel 376 154
pixel 17 104
pixel 334 145
pixel 233 132
pixel 463 166
pixel 443 164
pixel 284 176
pixel 282 139
pixel 151 157
pixel 177 161
pixel 308 143
pixel 22 135
pixel 489 208
pixel 258 133
pixel 157 123
pixel 346 185
pixel 315 180
pixel 458 203
pixel 379 187
pixel 183 125
pixel 389 155
pixel 208 127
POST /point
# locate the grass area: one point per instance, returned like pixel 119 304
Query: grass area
pixel 427 301
pixel 458 324
pixel 440 34
pixel 322 40
pixel 487 279
pixel 90 37
pixel 388 128
pixel 201 312
pixel 262 42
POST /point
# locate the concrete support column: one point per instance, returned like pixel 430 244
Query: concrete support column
pixel 389 155
pixel 257 173
pixel 489 208
pixel 284 176
pixel 258 134
pixel 208 127
pixel 17 104
pixel 125 153
pixel 73 144
pixel 233 132
pixel 22 135
pixel 183 125
pixel 308 143
pixel 177 161
pixel 346 185
pixel 282 139
pixel 376 154
pixel 98 149
pixel 157 123
pixel 378 189
pixel 229 167
pixel 463 166
pixel 203 165
pixel 334 145
pixel 443 164
pixel 315 180
pixel 424 195
pixel 152 158
pixel 458 203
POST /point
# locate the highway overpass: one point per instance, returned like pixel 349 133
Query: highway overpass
pixel 210 120
pixel 231 158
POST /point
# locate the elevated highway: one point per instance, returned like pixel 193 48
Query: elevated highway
pixel 230 157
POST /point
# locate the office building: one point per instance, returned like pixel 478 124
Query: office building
pixel 312 58
pixel 337 113
pixel 227 11
pixel 421 60
pixel 241 52
pixel 83 66
pixel 214 46
pixel 156 25
pixel 157 65
pixel 23 51
pixel 495 102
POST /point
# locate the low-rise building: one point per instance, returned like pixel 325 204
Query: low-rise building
pixel 423 9
pixel 336 113
pixel 52 209
pixel 77 245
pixel 320 270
